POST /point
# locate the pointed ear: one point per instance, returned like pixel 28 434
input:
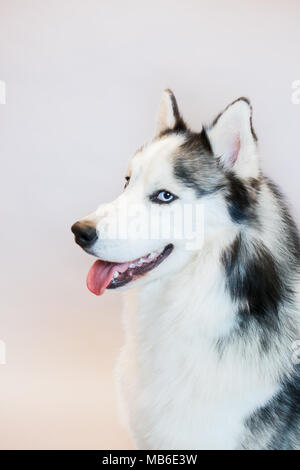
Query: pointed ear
pixel 168 115
pixel 233 139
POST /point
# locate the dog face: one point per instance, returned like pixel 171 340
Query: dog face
pixel 182 187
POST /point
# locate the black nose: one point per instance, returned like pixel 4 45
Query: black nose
pixel 85 233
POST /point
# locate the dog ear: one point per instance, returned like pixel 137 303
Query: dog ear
pixel 233 139
pixel 168 115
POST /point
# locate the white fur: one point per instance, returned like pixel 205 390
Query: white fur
pixel 177 392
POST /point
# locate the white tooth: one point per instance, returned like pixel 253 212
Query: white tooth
pixel 132 265
pixel 142 260
pixel 152 255
pixel 116 274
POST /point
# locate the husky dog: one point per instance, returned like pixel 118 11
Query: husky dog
pixel 207 362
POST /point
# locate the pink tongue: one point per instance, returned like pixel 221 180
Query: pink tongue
pixel 101 274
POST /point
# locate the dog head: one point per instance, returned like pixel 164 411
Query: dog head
pixel 182 187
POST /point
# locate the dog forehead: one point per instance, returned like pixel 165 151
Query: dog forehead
pixel 157 155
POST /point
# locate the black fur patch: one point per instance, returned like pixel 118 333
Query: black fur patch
pixel 241 205
pixel 261 282
pixel 254 280
pixel 281 415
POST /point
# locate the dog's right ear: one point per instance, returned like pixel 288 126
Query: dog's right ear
pixel 233 139
pixel 169 118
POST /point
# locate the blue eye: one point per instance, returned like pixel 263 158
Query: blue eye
pixel 163 197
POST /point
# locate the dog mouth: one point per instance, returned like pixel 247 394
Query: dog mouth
pixel 107 275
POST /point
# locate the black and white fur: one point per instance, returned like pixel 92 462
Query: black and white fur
pixel 207 362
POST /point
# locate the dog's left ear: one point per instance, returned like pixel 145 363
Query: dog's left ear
pixel 233 140
pixel 168 115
